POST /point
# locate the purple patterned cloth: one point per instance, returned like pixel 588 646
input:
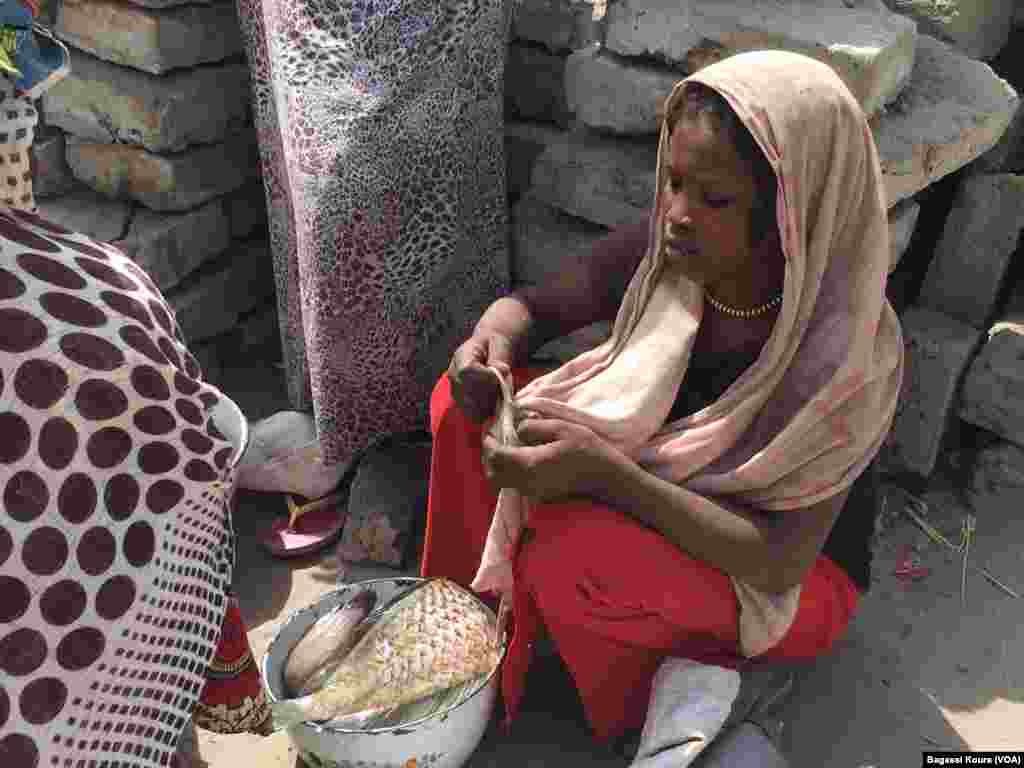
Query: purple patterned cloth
pixel 380 125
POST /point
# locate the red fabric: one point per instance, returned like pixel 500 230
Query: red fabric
pixel 233 700
pixel 616 597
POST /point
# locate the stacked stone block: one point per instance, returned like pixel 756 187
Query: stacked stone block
pixel 149 144
pixel 934 106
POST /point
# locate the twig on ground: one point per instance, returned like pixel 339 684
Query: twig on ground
pixel 938 538
pixel 967 533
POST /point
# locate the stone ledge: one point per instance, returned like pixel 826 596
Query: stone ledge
pixel 973 255
pixel 524 142
pixel 953 110
pixel 165 183
pixel 1007 156
pixel 546 241
pixel 938 349
pixel 81 209
pixel 213 299
pixel 870 47
pixel 604 181
pixel 561 25
pixel 170 247
pixel 246 209
pixel 902 223
pixel 993 396
pixel 535 85
pixel 103 102
pixel 978 28
pixel 51 176
pixel 606 91
pixel 153 41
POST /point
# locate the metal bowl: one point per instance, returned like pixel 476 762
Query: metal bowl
pixel 230 422
pixel 444 739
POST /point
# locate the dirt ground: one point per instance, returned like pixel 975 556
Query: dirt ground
pixel 920 669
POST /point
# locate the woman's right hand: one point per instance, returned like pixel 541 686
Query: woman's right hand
pixel 474 388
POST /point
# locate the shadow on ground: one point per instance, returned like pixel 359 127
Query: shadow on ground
pixel 922 669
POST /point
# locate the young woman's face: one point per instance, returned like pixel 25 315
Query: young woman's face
pixel 708 201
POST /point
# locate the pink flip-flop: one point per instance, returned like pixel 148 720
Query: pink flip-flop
pixel 310 527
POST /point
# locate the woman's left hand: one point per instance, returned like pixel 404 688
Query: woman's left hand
pixel 557 461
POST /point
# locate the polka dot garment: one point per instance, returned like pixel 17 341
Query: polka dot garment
pixel 115 540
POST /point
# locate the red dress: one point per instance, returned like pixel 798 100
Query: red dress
pixel 616 597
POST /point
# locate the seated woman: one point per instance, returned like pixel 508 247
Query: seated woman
pixel 117 625
pixel 683 479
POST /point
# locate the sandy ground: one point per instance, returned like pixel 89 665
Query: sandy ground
pixel 920 669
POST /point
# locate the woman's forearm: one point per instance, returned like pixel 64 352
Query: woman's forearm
pixel 587 291
pixel 743 543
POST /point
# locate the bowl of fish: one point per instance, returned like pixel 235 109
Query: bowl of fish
pixel 386 673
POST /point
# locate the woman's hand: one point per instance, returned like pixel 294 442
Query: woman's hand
pixel 557 461
pixel 474 388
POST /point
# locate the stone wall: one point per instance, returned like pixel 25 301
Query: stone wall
pixel 149 144
pixel 939 111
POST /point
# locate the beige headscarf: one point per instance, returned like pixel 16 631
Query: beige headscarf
pixel 807 417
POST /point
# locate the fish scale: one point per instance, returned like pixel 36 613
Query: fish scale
pixel 435 637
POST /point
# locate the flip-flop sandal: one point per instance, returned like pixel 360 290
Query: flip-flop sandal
pixel 310 527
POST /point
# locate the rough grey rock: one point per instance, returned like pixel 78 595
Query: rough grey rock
pixel 51 176
pixel 979 28
pixel 1007 156
pixel 103 102
pixel 871 48
pixel 175 182
pixel 609 92
pixel 605 181
pixel 535 85
pixel 387 504
pixel 998 475
pixel 953 110
pixel 974 252
pixel 561 25
pixel 547 241
pixel 902 221
pixel 540 134
pixel 993 396
pixel 211 301
pixel 938 349
pixel 208 356
pixel 82 210
pixel 153 41
pixel 260 326
pixel 247 211
pixel 172 246
pixel 523 144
